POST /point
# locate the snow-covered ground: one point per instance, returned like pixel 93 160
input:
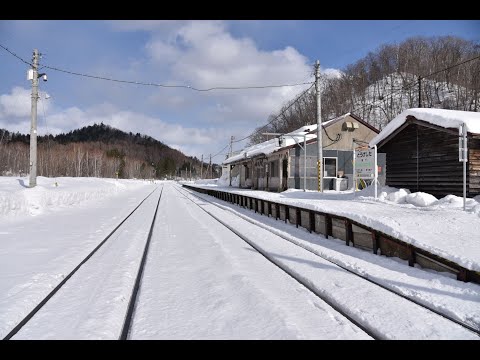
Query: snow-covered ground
pixel 17 200
pixel 365 302
pixel 440 226
pixel 202 282
pixel 47 230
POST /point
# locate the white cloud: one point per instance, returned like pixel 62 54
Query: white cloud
pixel 190 140
pixel 204 54
pixel 162 51
pixel 18 104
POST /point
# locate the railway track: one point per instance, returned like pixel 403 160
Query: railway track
pixel 131 304
pixel 221 215
pixel 307 284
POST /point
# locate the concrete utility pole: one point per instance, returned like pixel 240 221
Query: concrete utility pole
pixel 201 169
pixel 33 126
pixel 319 128
pixel 210 165
pixel 231 145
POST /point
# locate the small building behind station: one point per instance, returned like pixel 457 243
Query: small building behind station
pixel 422 151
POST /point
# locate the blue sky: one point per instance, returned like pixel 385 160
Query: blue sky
pixel 197 53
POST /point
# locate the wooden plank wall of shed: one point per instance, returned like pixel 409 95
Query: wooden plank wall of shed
pixel 424 159
pixel 474 165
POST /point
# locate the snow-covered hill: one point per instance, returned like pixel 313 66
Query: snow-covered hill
pixel 388 97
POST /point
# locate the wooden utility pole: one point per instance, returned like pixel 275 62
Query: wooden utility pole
pixel 419 91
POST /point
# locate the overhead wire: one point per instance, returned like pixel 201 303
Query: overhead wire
pixel 403 88
pixel 174 86
pixel 18 57
pixel 218 153
pixel 276 117
pixel 415 82
pixel 271 121
pixel 363 107
pixel 156 84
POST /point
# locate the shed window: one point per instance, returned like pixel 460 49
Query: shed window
pixel 329 167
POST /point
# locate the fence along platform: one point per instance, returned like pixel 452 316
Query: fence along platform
pixel 343 228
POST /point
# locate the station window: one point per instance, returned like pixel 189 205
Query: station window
pixel 330 167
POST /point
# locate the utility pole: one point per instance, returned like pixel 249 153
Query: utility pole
pixel 229 167
pixel 33 126
pixel 231 144
pixel 319 128
pixel 210 165
pixel 201 169
pixel 419 91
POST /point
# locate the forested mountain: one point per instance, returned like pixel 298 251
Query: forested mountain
pixel 99 151
pixel 433 72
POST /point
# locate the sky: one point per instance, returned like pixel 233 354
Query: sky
pixel 198 53
pixel 222 288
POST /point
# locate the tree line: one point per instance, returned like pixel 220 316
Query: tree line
pixel 418 72
pixel 98 150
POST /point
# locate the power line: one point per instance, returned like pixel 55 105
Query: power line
pixel 157 84
pixel 18 57
pixel 220 151
pixel 271 121
pixel 403 88
pixel 413 83
pixel 175 86
pixel 451 67
pixel 276 117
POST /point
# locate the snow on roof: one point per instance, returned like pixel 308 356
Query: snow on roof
pixel 440 117
pixel 326 123
pixel 269 146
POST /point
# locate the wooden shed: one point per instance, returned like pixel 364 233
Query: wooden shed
pixel 422 151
